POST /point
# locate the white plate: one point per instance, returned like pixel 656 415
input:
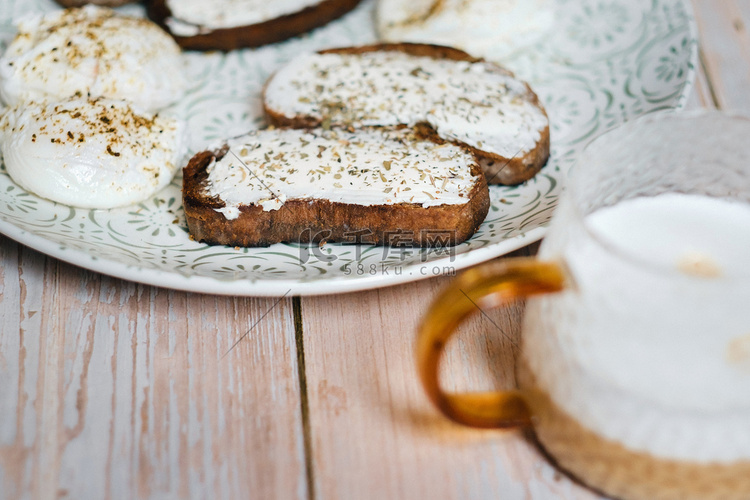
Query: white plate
pixel 605 62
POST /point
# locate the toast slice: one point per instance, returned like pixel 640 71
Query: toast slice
pixel 376 186
pixel 465 100
pixel 233 24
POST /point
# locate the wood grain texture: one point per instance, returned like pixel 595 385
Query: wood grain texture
pixel 117 390
pixel 725 43
pixel 375 435
pixel 702 95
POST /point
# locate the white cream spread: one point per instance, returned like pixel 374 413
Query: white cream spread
pixel 90 153
pixel 489 28
pixel 366 167
pixel 477 103
pixel 192 17
pixel 92 51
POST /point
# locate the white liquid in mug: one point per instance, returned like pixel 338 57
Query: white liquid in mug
pixel 690 233
pixel 652 346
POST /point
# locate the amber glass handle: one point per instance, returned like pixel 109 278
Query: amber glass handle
pixel 486 286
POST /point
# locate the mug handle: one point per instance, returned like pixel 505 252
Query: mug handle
pixel 486 286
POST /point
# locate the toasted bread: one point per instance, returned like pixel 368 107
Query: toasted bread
pixel 276 23
pixel 377 186
pixel 466 100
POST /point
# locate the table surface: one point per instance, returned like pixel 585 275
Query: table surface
pixel 115 389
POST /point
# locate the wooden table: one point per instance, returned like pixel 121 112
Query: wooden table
pixel 115 389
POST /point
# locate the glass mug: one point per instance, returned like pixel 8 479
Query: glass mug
pixel 634 367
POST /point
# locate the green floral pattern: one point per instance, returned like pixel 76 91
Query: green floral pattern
pixel 609 61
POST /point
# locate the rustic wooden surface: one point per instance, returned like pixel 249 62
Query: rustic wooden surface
pixel 110 389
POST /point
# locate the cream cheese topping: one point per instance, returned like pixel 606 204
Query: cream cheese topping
pixel 90 153
pixel 489 28
pixel 477 103
pixel 192 17
pixel 366 167
pixel 92 51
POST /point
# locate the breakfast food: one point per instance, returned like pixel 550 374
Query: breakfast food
pixel 490 28
pixel 466 100
pixel 377 186
pixel 232 24
pixel 91 153
pixel 83 86
pixel 92 51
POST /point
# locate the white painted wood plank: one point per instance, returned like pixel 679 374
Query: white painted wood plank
pixel 118 390
pixel 725 46
pixel 701 95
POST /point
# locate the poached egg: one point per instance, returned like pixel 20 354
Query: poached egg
pixel 92 51
pixel 90 153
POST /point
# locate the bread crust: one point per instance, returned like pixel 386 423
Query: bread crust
pixel 305 221
pixel 254 35
pixel 497 169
